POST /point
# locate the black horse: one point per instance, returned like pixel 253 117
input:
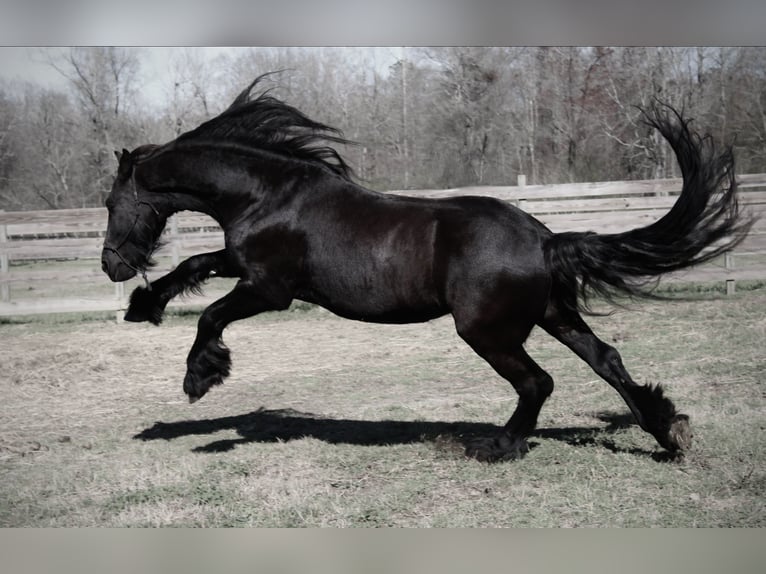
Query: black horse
pixel 297 226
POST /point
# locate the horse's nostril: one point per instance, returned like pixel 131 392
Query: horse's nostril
pixel 104 266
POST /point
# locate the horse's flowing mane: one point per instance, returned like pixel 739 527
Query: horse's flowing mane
pixel 265 122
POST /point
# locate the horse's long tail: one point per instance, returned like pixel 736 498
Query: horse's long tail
pixel 704 222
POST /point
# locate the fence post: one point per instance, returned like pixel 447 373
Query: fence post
pixel 5 286
pixel 174 247
pixel 119 292
pixel 728 263
pixel 521 183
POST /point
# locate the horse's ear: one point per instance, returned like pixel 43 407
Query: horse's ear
pixel 126 163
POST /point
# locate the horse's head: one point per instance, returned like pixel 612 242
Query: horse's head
pixel 135 223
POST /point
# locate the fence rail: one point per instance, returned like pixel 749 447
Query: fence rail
pixel 49 260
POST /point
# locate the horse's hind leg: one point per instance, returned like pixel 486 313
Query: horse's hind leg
pixel 654 412
pixel 501 347
pixel 533 386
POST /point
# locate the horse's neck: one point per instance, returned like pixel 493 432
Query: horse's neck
pixel 193 182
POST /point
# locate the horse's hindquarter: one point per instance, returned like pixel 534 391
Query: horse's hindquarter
pixel 495 259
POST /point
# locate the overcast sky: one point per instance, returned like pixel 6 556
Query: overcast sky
pixel 25 64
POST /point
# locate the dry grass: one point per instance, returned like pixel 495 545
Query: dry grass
pixel 327 422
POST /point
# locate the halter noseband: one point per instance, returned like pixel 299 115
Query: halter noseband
pixel 116 250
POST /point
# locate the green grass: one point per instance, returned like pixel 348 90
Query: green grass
pixel 327 422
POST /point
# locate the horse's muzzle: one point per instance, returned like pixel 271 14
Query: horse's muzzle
pixel 113 265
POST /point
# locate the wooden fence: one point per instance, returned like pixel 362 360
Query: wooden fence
pixel 50 260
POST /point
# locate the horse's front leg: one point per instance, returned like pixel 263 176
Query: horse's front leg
pixel 148 304
pixel 208 362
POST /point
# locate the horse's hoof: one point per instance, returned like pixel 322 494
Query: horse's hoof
pixel 194 388
pixel 680 434
pixel 196 385
pixel 144 306
pixel 497 449
pixel 134 316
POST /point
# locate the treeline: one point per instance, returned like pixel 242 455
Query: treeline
pixel 424 118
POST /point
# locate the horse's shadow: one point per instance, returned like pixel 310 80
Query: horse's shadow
pixel 286 424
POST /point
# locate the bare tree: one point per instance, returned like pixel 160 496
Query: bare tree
pixel 9 115
pixel 104 80
pixel 439 117
pixel 467 110
pixel 196 88
pixel 52 165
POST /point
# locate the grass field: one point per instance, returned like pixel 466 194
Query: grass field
pixel 327 422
